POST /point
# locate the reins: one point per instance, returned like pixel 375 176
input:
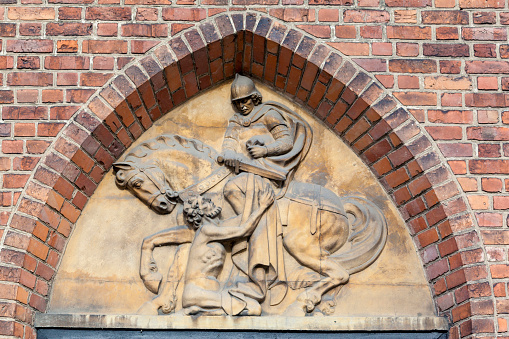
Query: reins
pixel 163 189
pixel 192 191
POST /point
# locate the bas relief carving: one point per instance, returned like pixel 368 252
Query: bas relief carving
pixel 241 217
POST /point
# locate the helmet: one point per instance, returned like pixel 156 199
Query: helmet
pixel 243 87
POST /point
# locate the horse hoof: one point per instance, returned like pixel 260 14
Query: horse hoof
pixel 310 306
pixel 152 281
pixel 328 307
pixel 168 307
pixel 310 300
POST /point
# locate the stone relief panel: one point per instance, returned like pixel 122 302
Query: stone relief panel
pixel 240 203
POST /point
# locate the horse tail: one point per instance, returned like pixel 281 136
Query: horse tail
pixel 367 237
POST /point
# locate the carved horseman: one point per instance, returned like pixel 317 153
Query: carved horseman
pixel 264 143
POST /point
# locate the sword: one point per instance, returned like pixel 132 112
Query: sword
pixel 251 168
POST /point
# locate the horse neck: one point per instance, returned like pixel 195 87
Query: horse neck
pixel 183 161
pixel 183 169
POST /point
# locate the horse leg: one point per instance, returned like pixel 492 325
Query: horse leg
pixel 306 249
pixel 149 271
pixel 334 275
pixel 167 298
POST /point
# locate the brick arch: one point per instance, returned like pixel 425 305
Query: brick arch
pixel 401 155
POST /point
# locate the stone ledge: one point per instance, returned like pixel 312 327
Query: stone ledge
pixel 269 323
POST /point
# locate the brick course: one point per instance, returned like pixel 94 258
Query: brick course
pixel 419 93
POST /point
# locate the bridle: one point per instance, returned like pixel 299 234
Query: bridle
pixel 164 189
pixel 192 191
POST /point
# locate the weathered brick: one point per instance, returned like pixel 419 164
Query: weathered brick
pixel 184 14
pixel 445 17
pixel 148 2
pixel 447 33
pixel 320 31
pixel 412 66
pixel 144 30
pixel 366 16
pixel 346 32
pixel 25 113
pixel 7 30
pixel 6 97
pixel 107 29
pixel 30 79
pixel 292 14
pixel 445 133
pixel 108 13
pixel 30 28
pixel 146 14
pixel 447 83
pixel 450 67
pixel 69 29
pixel 486 100
pixel 489 166
pixel 330 2
pixel 481 3
pixel 450 117
pixel 485 17
pixel 371 32
pixel 30 46
pixel 351 48
pixel 417 98
pixel 105 46
pixel 69 13
pixel 94 79
pixel 31 13
pixel 487 50
pixel 446 50
pixel 29 62
pixel 409 32
pixel 328 15
pixel 142 46
pixel 67 62
pixel 484 33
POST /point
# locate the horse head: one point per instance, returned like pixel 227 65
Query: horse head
pixel 148 183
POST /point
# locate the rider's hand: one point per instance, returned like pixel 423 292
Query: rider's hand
pixel 266 196
pixel 230 158
pixel 257 151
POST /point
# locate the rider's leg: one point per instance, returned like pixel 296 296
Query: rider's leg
pixel 235 192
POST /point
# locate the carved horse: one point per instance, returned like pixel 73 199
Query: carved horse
pixel 337 237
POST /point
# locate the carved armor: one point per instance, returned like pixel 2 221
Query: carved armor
pixel 285 136
pixel 243 87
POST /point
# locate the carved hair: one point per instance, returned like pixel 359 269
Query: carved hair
pixel 168 142
pixel 139 155
pixel 193 213
pixel 257 98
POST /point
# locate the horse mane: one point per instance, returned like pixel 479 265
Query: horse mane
pixel 170 142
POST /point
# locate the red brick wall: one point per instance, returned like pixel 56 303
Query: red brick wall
pixel 416 87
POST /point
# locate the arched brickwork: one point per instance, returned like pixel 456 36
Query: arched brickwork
pixel 347 99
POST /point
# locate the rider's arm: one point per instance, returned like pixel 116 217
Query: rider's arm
pixel 230 140
pixel 280 131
